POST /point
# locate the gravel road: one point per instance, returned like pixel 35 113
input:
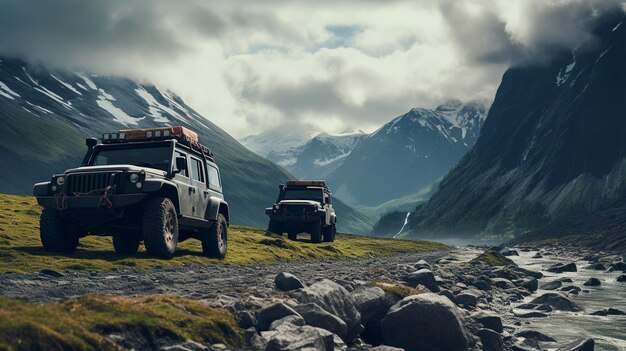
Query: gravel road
pixel 200 281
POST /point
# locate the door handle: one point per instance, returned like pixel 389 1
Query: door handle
pixel 192 190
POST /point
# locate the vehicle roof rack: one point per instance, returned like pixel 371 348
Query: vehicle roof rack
pixel 305 183
pixel 181 134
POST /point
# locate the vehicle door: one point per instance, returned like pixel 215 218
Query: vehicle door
pixel 183 183
pixel 198 184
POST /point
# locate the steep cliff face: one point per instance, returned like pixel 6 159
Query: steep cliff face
pixel 553 145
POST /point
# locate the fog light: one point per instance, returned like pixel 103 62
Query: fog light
pixel 134 177
pixel 138 185
pixel 60 181
pixel 53 188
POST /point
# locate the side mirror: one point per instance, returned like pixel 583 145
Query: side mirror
pixel 181 164
pixel 281 186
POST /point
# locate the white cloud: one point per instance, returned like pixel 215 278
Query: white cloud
pixel 251 66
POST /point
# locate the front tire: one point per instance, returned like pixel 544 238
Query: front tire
pixel 329 233
pixel 215 242
pixel 292 236
pixel 125 244
pixel 160 227
pixel 316 232
pixel 274 227
pixel 54 234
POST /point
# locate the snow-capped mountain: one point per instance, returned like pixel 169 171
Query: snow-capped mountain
pixel 552 147
pixel 305 152
pixel 408 154
pixel 45 115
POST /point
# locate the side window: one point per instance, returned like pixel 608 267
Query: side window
pixel 214 177
pixel 183 172
pixel 196 170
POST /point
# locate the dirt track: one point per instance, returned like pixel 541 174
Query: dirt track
pixel 200 281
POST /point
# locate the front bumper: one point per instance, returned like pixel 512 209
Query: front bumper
pixel 295 219
pixel 96 202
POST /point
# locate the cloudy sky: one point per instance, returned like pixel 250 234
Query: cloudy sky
pixel 251 66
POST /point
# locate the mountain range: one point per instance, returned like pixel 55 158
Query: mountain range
pixel 46 113
pixel 551 148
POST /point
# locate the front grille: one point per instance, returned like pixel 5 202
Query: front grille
pixel 297 209
pixel 86 182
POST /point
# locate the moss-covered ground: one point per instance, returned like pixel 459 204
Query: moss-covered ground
pixel 21 251
pixel 85 323
pixel 494 258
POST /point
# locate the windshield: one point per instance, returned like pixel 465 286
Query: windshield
pixel 153 157
pixel 303 194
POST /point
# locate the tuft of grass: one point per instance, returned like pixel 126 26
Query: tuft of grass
pixel 21 250
pixel 494 258
pixel 84 323
pixel 398 290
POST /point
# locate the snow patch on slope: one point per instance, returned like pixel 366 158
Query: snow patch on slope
pixel 7 92
pixel 105 102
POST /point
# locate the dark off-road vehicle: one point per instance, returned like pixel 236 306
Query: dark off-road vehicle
pixel 304 206
pixel 157 185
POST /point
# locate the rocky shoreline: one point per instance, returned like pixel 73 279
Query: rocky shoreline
pixel 464 299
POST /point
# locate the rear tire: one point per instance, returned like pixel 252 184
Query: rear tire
pixel 160 227
pixel 125 244
pixel 292 236
pixel 215 241
pixel 54 234
pixel 316 232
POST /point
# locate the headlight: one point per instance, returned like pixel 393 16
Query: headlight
pixel 138 185
pixel 53 187
pixel 60 181
pixel 134 177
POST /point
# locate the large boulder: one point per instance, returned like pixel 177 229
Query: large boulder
pixel 560 268
pixel 592 282
pixel 556 301
pixel 552 285
pixel 426 322
pixel 424 277
pixel 491 340
pixel 286 282
pixel 421 264
pixel 587 344
pixel 621 278
pixel 272 313
pixel 299 338
pixel 369 300
pixel 598 266
pixel 467 298
pixel 531 284
pixel 336 300
pixel 316 316
pixel 489 321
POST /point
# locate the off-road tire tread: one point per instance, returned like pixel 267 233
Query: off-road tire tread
pixel 153 227
pixel 316 232
pixel 53 236
pixel 210 247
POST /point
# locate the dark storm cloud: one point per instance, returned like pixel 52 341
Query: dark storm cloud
pixel 70 33
pixel 545 28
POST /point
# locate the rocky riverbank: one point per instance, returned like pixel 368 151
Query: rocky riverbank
pixel 463 299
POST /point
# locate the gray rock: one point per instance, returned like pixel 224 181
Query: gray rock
pixel 448 294
pixel 316 316
pixel 253 340
pixel 421 264
pixel 537 255
pixel 529 314
pixel 553 285
pixel 560 268
pixel 596 266
pixel 502 283
pixel 245 319
pixel 621 278
pixel 530 284
pixel 556 301
pixel 618 266
pixel 286 282
pixel 274 312
pixel 535 335
pixel 592 282
pixel 292 320
pixel 609 312
pixel 467 299
pixel 386 348
pixel 491 340
pixel 369 300
pixel 186 346
pixel 587 344
pixel 527 272
pixel 424 277
pixel 426 322
pixel 489 321
pixel 300 338
pixel 336 300
pixel 570 288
